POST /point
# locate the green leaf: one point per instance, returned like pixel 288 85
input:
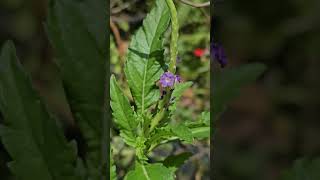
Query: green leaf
pixel 179 89
pixel 150 172
pixel 200 132
pixel 205 118
pixel 303 169
pixel 201 128
pixel 144 62
pixel 78 33
pixel 173 162
pixel 226 85
pixel 158 136
pixel 30 134
pixel 141 148
pixel 122 113
pixel 183 132
pixel 177 93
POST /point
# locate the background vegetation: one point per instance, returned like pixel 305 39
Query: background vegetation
pixel 276 121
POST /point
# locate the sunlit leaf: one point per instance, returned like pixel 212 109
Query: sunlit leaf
pixel 123 113
pixel 144 63
pixel 150 172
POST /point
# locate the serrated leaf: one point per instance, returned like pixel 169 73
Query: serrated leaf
pixel 150 172
pixel 79 39
pixel 141 148
pixel 123 114
pixel 173 162
pixel 183 132
pixel 303 169
pixel 226 85
pixel 144 61
pixel 30 134
pixel 158 136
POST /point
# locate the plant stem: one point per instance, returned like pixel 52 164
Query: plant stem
pixel 172 65
pixel 174 36
pixel 163 106
pixel 155 121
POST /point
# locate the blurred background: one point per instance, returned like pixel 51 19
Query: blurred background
pixel 277 120
pixel 265 129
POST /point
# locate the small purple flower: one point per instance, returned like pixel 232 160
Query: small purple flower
pixel 217 52
pixel 167 79
pixel 178 78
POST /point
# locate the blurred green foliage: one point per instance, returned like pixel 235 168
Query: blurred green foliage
pixel 303 169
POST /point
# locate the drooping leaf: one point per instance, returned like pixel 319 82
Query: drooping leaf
pixel 77 32
pixel 183 132
pixel 123 114
pixel 150 172
pixel 173 162
pixel 144 61
pixel 226 85
pixel 303 169
pixel 30 134
pixel 201 132
pixel 160 135
pixel 200 128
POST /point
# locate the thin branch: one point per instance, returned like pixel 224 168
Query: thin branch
pixel 196 5
pixel 120 43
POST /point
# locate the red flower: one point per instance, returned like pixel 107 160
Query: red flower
pixel 199 52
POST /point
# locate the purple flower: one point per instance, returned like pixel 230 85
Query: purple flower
pixel 178 78
pixel 217 52
pixel 168 79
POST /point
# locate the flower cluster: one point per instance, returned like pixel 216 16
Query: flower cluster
pixel 168 79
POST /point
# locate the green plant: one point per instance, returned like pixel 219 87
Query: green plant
pixel 147 123
pixel 30 133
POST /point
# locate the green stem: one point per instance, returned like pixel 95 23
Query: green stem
pixel 162 113
pixel 174 36
pixel 172 65
pixel 155 121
